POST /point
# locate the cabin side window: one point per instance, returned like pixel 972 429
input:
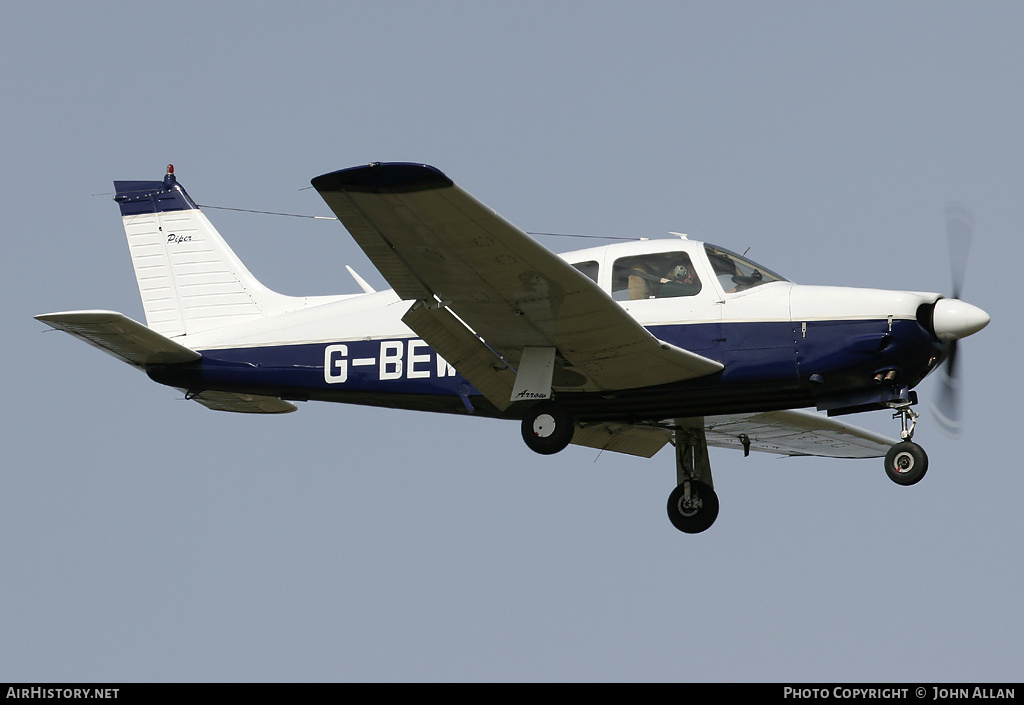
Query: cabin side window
pixel 588 268
pixel 654 276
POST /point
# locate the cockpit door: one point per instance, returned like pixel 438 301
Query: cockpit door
pixel 670 293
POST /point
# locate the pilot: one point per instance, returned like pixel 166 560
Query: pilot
pixel 679 281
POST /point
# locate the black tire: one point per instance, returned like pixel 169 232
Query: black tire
pixel 548 428
pixel 693 520
pixel 906 463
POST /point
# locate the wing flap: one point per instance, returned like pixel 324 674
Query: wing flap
pixel 117 335
pixel 642 441
pixel 434 242
pixel 480 365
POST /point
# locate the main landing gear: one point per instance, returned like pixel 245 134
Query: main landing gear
pixel 906 462
pixel 693 504
pixel 547 427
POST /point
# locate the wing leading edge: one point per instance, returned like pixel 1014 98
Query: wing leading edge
pixel 436 244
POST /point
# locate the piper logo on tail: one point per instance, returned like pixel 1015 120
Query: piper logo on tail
pixel 396 359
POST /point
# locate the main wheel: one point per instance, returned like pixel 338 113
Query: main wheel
pixel 696 514
pixel 548 428
pixel 906 463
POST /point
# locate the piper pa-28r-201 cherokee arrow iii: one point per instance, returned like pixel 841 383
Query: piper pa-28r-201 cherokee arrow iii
pixel 625 347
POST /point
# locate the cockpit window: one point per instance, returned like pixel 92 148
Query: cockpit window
pixel 654 276
pixel 588 268
pixel 736 273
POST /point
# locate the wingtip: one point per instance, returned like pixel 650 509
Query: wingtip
pixel 378 177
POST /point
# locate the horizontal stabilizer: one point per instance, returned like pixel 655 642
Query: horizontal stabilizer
pixel 131 342
pixel 116 334
pixel 242 403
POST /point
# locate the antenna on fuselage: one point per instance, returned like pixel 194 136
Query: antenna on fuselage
pixel 681 236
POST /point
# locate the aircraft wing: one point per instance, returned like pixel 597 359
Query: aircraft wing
pixel 781 432
pixel 795 432
pixel 436 244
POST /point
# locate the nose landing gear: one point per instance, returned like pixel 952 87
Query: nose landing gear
pixel 906 462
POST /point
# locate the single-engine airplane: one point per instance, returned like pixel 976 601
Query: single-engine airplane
pixel 625 347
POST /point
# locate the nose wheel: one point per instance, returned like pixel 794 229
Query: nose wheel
pixel 906 462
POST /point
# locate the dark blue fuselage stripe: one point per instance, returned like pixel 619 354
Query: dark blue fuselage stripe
pixel 754 354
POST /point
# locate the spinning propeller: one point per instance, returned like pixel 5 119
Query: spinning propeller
pixel 954 319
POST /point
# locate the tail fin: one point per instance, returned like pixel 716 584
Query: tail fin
pixel 189 279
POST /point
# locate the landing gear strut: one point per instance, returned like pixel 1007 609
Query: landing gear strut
pixel 906 462
pixel 693 504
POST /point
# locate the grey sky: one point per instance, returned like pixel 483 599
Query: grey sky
pixel 146 538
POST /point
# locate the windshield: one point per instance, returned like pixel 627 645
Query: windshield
pixel 736 273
